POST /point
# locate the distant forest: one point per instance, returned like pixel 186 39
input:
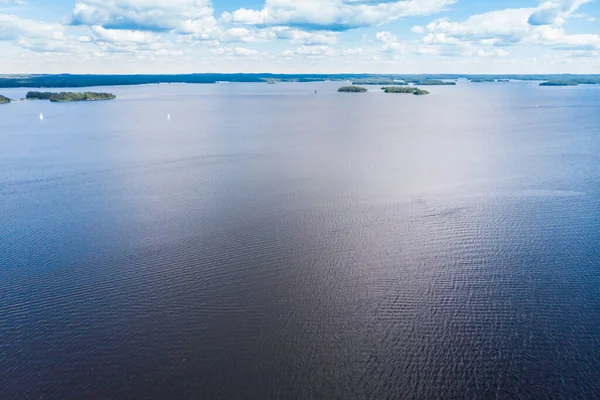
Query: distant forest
pixel 68 80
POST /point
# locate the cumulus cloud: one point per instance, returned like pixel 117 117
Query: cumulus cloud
pixel 358 51
pixel 185 16
pixel 127 41
pixel 392 48
pixel 506 26
pixel 556 38
pixel 123 35
pixel 297 36
pixel 193 19
pixel 537 26
pixel 235 51
pixel 554 12
pixel 391 45
pixel 337 15
pixel 34 35
pixel 311 52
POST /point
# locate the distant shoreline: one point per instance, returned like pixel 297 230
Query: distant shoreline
pixel 80 81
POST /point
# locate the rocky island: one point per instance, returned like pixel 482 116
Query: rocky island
pixel 69 96
pixel 352 89
pixel 405 89
pixel 4 100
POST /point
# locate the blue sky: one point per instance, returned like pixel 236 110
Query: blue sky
pixel 300 36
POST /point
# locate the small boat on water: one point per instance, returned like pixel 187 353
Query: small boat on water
pixel 41 117
pixel 169 117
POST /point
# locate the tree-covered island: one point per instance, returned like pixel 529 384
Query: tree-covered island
pixel 4 100
pixel 69 96
pixel 352 89
pixel 38 95
pixel 433 82
pixel 483 80
pixel 85 96
pixel 559 83
pixel 405 89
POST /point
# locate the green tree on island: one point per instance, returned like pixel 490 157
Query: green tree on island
pixel 559 83
pixel 405 89
pixel 38 95
pixel 433 82
pixel 85 96
pixel 69 96
pixel 352 89
pixel 4 100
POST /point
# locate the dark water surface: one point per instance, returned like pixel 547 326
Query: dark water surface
pixel 267 242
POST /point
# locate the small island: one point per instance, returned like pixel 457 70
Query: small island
pixel 559 83
pixel 4 100
pixel 433 82
pixel 352 89
pixel 69 96
pixel 405 89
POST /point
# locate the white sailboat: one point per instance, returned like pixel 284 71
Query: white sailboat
pixel 169 117
pixel 41 117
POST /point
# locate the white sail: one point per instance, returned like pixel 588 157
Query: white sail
pixel 168 116
pixel 41 116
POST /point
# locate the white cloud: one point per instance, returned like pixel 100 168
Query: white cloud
pixel 123 35
pixel 358 51
pixel 242 51
pixel 556 37
pixel 554 12
pixel 126 41
pixel 234 51
pixel 297 36
pixel 537 26
pixel 386 37
pixel 34 35
pixel 333 14
pixel 185 16
pixel 312 51
pixel 391 45
pixel 504 26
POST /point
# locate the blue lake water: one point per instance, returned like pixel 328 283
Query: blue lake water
pixel 270 242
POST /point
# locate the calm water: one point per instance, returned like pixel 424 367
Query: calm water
pixel 267 242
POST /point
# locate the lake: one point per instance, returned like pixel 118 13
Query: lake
pixel 272 242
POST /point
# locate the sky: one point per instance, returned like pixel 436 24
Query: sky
pixel 300 36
